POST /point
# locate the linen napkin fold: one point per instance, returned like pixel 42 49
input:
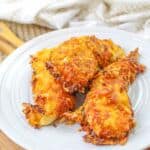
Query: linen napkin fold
pixel 129 15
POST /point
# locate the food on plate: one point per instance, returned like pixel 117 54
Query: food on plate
pixel 96 68
pixel 51 101
pixel 107 115
pixel 75 62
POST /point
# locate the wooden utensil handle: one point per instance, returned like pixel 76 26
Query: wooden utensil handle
pixel 8 40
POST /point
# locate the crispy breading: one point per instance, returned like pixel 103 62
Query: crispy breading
pixel 106 114
pixel 76 61
pixel 51 101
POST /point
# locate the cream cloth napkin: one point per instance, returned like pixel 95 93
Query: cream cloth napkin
pixel 129 15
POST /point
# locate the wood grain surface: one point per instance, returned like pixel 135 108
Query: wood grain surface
pixel 7 144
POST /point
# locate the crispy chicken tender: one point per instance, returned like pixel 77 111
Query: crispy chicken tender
pixel 106 115
pixel 76 61
pixel 51 101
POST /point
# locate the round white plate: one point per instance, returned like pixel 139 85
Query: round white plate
pixel 15 88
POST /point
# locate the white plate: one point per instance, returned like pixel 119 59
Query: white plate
pixel 15 88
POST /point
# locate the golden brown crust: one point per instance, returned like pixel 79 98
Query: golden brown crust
pixel 51 101
pixel 106 115
pixel 103 141
pixel 76 61
pixel 107 109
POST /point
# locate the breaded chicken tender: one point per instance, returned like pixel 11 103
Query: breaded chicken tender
pixel 75 62
pixel 106 114
pixel 51 101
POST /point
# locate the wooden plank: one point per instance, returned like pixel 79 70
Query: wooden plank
pixel 7 144
pixel 8 40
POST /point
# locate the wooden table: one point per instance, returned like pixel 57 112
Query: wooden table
pixel 7 144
